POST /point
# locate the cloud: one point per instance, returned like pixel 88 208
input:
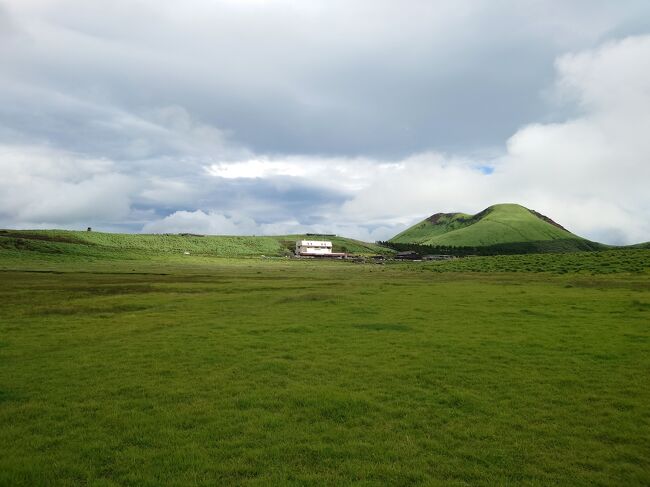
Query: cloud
pixel 348 174
pixel 589 172
pixel 321 77
pixel 201 222
pixel 41 187
pixel 593 169
pixel 342 123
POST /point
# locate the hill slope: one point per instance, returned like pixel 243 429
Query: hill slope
pixel 118 245
pixel 496 225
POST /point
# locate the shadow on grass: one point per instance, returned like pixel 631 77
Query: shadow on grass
pixel 73 310
pixel 382 327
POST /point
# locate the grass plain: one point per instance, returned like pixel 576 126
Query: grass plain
pixel 159 369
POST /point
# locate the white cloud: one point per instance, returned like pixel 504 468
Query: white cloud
pixel 258 168
pixel 210 223
pixel 591 173
pixel 350 174
pixel 48 186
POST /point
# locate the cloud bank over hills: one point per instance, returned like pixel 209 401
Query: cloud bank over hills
pixel 275 117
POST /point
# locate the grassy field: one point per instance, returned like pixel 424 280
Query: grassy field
pixel 160 369
pixel 634 261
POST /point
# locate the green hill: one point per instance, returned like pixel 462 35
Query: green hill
pixel 644 245
pixel 64 243
pixel 503 224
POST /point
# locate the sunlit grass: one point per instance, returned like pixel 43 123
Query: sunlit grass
pixel 215 372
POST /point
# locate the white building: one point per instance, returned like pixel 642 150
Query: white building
pixel 313 247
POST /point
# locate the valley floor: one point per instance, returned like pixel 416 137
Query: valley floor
pixel 274 372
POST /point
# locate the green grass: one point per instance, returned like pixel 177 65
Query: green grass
pixel 166 369
pixel 601 262
pixel 498 224
pixel 142 246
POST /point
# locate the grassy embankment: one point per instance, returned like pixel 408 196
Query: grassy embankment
pixel 76 246
pixel 191 370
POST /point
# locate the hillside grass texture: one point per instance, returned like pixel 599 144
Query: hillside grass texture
pixel 98 245
pixel 500 224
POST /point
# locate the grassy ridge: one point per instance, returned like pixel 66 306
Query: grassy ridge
pixel 90 244
pixel 51 250
pixel 498 224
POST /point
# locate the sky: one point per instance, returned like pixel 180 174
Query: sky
pixel 355 117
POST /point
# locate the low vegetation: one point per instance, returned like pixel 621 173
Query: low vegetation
pixel 99 245
pixel 635 261
pixel 120 366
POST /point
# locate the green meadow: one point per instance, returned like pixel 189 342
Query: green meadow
pixel 158 368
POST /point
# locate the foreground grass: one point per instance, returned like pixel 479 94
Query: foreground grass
pixel 267 372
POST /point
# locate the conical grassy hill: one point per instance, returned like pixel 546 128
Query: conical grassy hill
pixel 502 224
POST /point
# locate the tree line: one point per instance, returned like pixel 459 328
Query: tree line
pixel 560 245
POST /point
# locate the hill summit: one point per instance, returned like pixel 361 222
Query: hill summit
pixel 496 225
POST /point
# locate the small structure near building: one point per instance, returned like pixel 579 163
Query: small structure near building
pixel 438 257
pixel 316 248
pixel 407 255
